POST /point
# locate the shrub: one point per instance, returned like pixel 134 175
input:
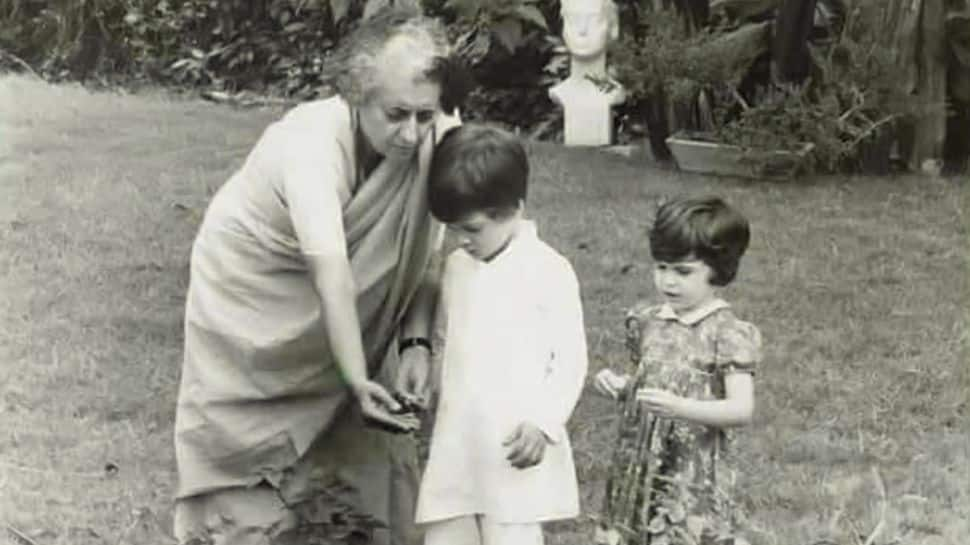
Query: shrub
pixel 278 47
pixel 717 79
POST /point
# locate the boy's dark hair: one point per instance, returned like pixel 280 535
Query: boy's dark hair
pixel 706 228
pixel 477 168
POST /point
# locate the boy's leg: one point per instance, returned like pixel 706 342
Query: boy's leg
pixel 453 531
pixel 497 533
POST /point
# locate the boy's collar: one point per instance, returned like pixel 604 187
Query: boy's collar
pixel 667 312
pixel 525 229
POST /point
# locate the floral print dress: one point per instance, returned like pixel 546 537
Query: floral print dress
pixel 671 481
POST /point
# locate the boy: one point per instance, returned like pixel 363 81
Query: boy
pixel 511 355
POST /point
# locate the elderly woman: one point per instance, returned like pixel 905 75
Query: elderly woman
pixel 310 286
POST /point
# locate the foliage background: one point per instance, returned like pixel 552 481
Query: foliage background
pixel 276 47
pixel 253 50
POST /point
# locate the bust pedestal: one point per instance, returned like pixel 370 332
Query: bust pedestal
pixel 587 115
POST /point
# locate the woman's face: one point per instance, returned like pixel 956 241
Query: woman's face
pixel 403 106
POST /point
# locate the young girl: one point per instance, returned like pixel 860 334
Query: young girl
pixel 670 480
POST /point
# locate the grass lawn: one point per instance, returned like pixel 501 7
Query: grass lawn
pixel 860 287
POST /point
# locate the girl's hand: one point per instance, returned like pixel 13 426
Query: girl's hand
pixel 377 406
pixel 609 383
pixel 661 402
pixel 526 444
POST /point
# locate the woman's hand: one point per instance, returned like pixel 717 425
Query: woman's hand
pixel 661 402
pixel 378 407
pixel 526 444
pixel 412 375
pixel 609 383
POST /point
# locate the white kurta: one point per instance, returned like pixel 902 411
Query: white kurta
pixel 515 351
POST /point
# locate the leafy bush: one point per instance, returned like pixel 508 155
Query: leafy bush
pixel 515 53
pixel 263 45
pixel 279 47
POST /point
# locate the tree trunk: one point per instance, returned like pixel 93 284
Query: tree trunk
pixel 663 115
pixel 658 126
pixel 789 50
pixel 902 24
pixel 930 131
pixel 957 149
pixel 696 12
pixel 918 44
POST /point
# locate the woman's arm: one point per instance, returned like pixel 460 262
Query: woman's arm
pixel 335 285
pixel 334 282
pixel 736 409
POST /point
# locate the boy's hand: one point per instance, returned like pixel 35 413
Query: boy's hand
pixel 660 402
pixel 526 444
pixel 609 383
pixel 413 375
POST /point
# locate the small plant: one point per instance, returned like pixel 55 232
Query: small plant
pixel 510 48
pixel 665 55
pixel 507 21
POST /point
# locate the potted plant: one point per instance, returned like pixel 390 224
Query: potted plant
pixel 726 114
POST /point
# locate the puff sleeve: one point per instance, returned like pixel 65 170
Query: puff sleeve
pixel 738 347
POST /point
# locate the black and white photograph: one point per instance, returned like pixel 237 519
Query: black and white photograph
pixel 484 272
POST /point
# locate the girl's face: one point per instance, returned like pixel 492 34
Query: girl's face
pixel 483 236
pixel 685 285
pixel 402 108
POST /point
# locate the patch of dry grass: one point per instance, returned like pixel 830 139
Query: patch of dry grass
pixel 860 288
pixel 93 275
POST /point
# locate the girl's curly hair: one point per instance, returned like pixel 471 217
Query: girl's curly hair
pixel 706 228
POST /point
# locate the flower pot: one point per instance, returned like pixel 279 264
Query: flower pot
pixel 728 160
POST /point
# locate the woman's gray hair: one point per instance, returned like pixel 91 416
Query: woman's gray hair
pixel 356 61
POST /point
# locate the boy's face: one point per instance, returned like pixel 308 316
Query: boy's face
pixel 485 235
pixel 685 284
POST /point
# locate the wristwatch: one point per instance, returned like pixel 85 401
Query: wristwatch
pixel 413 341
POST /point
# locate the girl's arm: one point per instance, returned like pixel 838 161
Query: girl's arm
pixel 736 409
